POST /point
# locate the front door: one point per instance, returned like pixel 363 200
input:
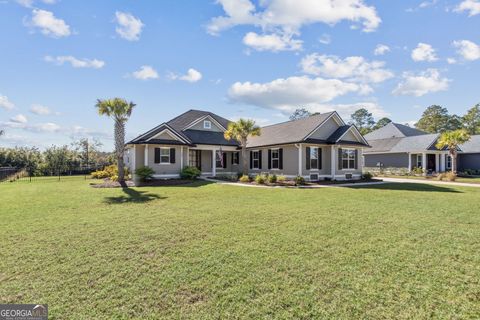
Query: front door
pixel 195 159
pixel 431 162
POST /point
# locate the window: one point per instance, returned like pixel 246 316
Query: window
pixel 348 159
pixel 207 124
pixel 448 162
pixel 164 155
pixel 256 160
pixel 219 159
pixel 419 161
pixel 236 158
pixel 314 158
pixel 275 159
pixel 194 158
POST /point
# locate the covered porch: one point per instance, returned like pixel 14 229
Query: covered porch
pixel 214 160
pixel 430 162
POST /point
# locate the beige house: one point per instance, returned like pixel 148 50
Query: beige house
pixel 318 147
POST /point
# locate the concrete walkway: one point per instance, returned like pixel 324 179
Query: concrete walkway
pixel 444 183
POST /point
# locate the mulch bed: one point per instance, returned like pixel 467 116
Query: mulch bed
pixel 291 183
pixel 107 183
pixel 112 184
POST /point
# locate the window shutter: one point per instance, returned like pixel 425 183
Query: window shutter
pixel 259 159
pixel 356 159
pixel 280 158
pixel 172 155
pixel 340 163
pixel 233 156
pixel 251 159
pixel 224 155
pixel 269 159
pixel 319 158
pixel 157 155
pixel 308 158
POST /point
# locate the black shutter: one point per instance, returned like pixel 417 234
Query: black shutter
pixel 319 158
pixel 356 159
pixel 280 158
pixel 233 156
pixel 251 159
pixel 157 155
pixel 172 155
pixel 224 155
pixel 340 164
pixel 269 159
pixel 259 159
pixel 308 158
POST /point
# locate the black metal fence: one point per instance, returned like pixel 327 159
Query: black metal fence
pixel 12 174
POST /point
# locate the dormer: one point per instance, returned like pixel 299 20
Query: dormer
pixel 205 123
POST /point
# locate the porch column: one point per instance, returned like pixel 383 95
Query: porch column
pixel 424 163
pixel 409 162
pixel 214 167
pixel 145 161
pixel 181 157
pixel 437 163
pixel 300 159
pixel 442 162
pixel 134 158
pixel 333 162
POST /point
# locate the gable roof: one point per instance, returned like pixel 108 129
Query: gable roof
pixel 180 122
pixel 393 130
pixel 404 144
pixel 471 146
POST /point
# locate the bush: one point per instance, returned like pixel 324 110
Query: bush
pixel 441 176
pixel 108 172
pixel 190 173
pixel 272 178
pixel 244 178
pixel 416 170
pixel 367 176
pixel 145 173
pixel 281 178
pixel 260 179
pixel 299 180
pixel 451 176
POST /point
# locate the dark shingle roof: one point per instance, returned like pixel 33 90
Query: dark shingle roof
pixel 287 132
pixel 472 146
pixel 180 122
pixel 209 137
pixel 393 130
pixel 338 133
pixel 406 144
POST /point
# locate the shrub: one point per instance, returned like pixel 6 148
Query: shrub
pixel 441 176
pixel 190 173
pixel 416 170
pixel 260 179
pixel 281 178
pixel 244 178
pixel 108 172
pixel 451 176
pixel 145 173
pixel 367 176
pixel 114 177
pixel 272 178
pixel 299 180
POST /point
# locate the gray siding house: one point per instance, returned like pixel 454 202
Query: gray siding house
pixel 398 146
pixel 317 147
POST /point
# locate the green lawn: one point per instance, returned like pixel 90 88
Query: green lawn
pixel 214 252
pixel 459 179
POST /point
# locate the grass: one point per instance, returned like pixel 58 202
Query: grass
pixel 212 251
pixel 459 179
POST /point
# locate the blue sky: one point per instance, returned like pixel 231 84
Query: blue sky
pixel 237 58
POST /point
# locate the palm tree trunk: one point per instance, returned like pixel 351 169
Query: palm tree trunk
pixel 454 161
pixel 244 157
pixel 119 133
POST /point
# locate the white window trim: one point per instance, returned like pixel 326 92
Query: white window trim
pixel 236 163
pixel 419 160
pixel 348 159
pixel 447 159
pixel 314 169
pixel 278 158
pixel 216 155
pixel 205 126
pixel 161 162
pixel 253 159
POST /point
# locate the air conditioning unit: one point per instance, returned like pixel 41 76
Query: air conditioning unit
pixel 313 177
pixel 348 176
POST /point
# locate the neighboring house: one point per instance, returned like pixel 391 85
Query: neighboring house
pixel 401 147
pixel 317 147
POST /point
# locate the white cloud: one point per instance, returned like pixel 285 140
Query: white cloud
pixel 289 93
pixel 424 52
pixel 19 118
pixel 381 49
pixel 129 27
pixel 29 3
pixel 48 127
pixel 48 24
pixel 145 73
pixel 325 39
pixel 191 76
pixel 423 5
pixel 5 103
pixel 472 6
pixel 422 83
pixel 272 42
pixel 40 110
pixel 467 49
pixel 451 60
pixel 76 63
pixel 355 69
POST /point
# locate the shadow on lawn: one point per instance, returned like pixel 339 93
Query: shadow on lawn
pixel 133 196
pixel 404 186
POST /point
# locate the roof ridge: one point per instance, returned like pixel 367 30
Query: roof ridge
pixel 287 121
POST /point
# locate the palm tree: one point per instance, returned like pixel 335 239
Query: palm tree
pixel 452 140
pixel 2 132
pixel 119 110
pixel 240 131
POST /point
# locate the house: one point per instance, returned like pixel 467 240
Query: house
pixel 399 147
pixel 318 147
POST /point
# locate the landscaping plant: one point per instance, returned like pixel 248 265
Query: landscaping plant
pixel 145 173
pixel 190 173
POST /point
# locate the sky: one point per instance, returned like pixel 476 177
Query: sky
pixel 237 58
